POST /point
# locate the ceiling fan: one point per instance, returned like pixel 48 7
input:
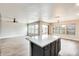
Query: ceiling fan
pixel 14 20
pixel 11 19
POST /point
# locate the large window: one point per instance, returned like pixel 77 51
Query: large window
pixel 58 29
pixel 62 30
pixel 71 29
pixel 32 29
pixel 44 29
pixel 68 29
pixel 36 29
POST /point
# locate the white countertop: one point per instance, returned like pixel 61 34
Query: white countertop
pixel 43 40
pixel 38 40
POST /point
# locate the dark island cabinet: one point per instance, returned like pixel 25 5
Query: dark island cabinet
pixel 55 47
pixel 51 49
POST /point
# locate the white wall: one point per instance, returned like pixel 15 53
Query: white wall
pixel 0 26
pixel 10 28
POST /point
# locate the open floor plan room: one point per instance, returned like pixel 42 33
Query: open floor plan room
pixel 39 29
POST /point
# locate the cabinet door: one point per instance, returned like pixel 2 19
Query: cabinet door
pixel 36 50
pixel 53 48
pixel 47 50
pixel 58 45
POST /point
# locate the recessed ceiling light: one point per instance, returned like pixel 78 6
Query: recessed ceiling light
pixel 77 4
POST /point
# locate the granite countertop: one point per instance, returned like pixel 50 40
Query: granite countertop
pixel 43 40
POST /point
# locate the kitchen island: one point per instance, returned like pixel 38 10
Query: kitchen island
pixel 45 45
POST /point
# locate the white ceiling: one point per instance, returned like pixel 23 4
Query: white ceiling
pixel 28 12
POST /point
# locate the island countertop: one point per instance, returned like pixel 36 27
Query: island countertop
pixel 43 40
pixel 38 40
